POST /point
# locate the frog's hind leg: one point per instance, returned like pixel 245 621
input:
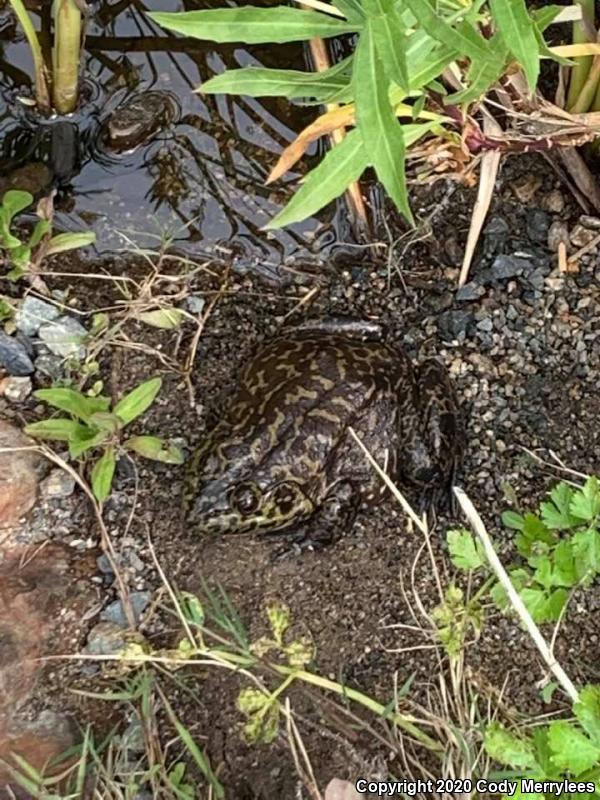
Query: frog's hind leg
pixel 443 429
pixel 334 516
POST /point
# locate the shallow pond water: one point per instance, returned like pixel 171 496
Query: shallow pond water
pixel 199 178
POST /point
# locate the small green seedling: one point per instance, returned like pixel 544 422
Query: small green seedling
pixel 23 255
pixel 559 549
pixel 556 752
pixel 94 424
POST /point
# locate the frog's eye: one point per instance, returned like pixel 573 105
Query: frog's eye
pixel 246 498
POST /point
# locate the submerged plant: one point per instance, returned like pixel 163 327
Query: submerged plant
pixel 93 424
pixel 417 73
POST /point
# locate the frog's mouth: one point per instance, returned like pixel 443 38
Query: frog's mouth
pixel 279 508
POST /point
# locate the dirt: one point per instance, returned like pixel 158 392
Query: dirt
pixel 351 596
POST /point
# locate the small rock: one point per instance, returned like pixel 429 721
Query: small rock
pixel 554 202
pixel 59 483
pixel 14 357
pixel 105 639
pixel 64 337
pixel 580 236
pixel 470 291
pixel 593 223
pixel 18 476
pixel 49 365
pixel 557 233
pixel 538 223
pixel 195 304
pixel 454 323
pixel 485 325
pixel 115 613
pixel 16 390
pixel 341 790
pixel 526 187
pixel 34 313
pixel 505 267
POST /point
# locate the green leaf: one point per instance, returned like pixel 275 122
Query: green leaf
pixel 556 514
pixel 342 165
pixel 564 571
pixel 536 602
pixel 165 318
pixel 585 503
pixel 252 25
pixel 136 402
pixel 587 711
pixel 381 133
pixel 59 430
pixel 73 402
pixel 102 475
pixel 513 520
pixel 191 608
pixel 85 439
pixel 571 749
pixel 105 421
pixel 462 37
pixel 42 227
pixel 545 16
pixel 156 449
pixel 351 9
pixel 63 242
pixel 548 691
pixel 507 748
pixel 466 552
pixel 13 202
pixel 555 604
pixel 586 549
pixel 518 32
pixel 290 83
pixel 390 40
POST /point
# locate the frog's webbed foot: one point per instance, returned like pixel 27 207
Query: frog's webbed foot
pixel 335 514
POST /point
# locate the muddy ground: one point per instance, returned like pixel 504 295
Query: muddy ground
pixel 524 352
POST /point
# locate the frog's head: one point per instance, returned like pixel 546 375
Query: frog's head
pixel 244 506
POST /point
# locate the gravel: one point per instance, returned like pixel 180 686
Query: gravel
pixel 16 390
pixel 64 337
pixel 14 356
pixel 33 313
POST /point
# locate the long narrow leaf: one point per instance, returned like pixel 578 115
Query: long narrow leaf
pixel 462 37
pixel 516 27
pixel 380 130
pixel 252 25
pixel 290 83
pixel 351 9
pixel 102 474
pixel 341 166
pixel 390 40
pixel 139 400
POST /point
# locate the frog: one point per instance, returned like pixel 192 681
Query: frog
pixel 284 457
pixel 138 120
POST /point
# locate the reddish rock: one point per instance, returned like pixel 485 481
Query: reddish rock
pixel 44 594
pixel 18 475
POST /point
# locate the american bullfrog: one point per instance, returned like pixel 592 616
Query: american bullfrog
pixel 283 457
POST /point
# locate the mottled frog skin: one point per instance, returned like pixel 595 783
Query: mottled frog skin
pixel 282 457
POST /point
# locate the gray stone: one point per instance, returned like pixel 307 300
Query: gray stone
pixel 59 483
pixel 115 613
pixel 538 223
pixel 105 639
pixel 34 313
pixel 195 304
pixel 470 291
pixel 15 389
pixel 485 325
pixel 505 267
pixel 64 337
pixel 14 357
pixel 49 365
pixel 454 323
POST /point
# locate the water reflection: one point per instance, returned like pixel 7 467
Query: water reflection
pixel 203 173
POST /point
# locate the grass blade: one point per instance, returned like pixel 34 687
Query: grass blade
pixel 251 25
pixel 341 166
pixel 518 32
pixel 381 132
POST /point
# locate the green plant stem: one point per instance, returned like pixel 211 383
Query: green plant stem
pixel 42 93
pixel 583 65
pixel 589 89
pixel 66 55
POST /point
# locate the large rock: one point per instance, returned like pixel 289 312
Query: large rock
pixel 18 476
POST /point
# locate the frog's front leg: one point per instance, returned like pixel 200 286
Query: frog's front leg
pixel 442 429
pixel 332 518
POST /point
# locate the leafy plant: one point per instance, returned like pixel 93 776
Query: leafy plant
pixel 559 548
pixel 93 424
pixel 559 751
pixel 25 255
pixel 455 618
pixel 392 91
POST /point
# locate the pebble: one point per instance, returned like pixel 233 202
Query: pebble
pixel 105 639
pixel 580 236
pixel 554 202
pixel 453 323
pixel 33 313
pixel 593 223
pixel 49 365
pixel 557 232
pixel 15 389
pixel 195 304
pixel 64 337
pixel 14 356
pixel 115 613
pixel 538 224
pixel 470 291
pixel 59 483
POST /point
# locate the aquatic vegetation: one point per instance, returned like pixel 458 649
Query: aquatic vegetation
pixel 415 78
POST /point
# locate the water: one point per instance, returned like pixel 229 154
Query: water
pixel 200 179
